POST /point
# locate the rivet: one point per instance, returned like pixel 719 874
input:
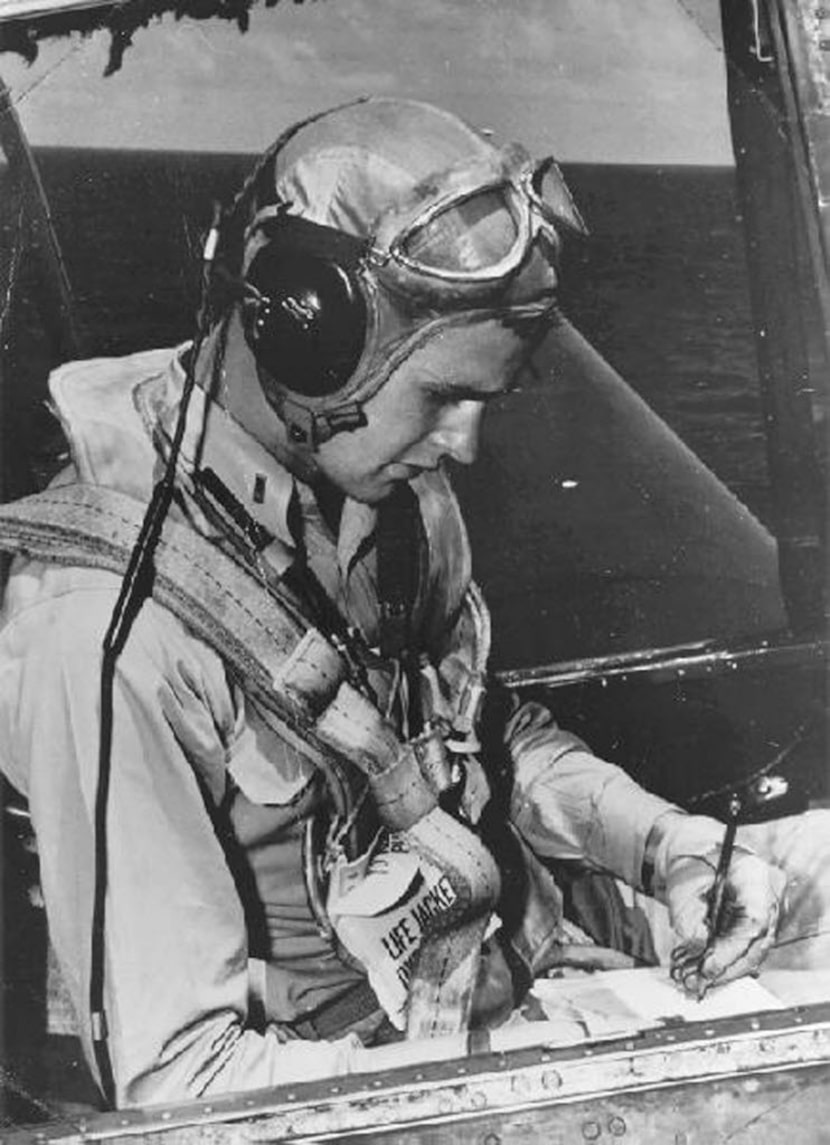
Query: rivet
pixel 491 1139
pixel 519 1083
pixel 616 1126
pixel 591 1130
pixel 551 1079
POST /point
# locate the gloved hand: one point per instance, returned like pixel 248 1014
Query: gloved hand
pixel 684 850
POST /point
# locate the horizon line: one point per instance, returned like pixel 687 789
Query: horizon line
pixel 241 154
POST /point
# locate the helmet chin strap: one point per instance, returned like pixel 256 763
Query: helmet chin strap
pixel 312 427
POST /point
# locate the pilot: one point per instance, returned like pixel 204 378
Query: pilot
pixel 286 815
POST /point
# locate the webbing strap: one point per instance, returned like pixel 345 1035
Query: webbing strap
pixel 441 989
pixel 294 674
pixel 398 568
pixel 334 1019
pixel 286 666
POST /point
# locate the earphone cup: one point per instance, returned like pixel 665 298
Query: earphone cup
pixel 305 321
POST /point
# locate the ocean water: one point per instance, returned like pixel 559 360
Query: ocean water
pixel 660 288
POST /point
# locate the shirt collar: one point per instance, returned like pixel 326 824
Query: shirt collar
pixel 254 476
pixel 213 440
pixel 357 527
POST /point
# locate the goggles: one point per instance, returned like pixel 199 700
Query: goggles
pixel 471 235
pixel 463 235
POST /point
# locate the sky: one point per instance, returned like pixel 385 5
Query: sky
pixel 615 81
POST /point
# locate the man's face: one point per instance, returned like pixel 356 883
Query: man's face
pixel 429 411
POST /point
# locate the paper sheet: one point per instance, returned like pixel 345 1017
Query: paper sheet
pixel 629 1000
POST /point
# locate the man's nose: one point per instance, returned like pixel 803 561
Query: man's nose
pixel 458 433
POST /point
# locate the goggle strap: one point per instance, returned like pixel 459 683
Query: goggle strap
pixel 314 239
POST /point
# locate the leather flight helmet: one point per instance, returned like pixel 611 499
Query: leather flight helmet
pixel 368 229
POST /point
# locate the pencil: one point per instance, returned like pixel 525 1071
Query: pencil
pixel 718 892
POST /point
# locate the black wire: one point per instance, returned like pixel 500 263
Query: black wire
pixel 136 587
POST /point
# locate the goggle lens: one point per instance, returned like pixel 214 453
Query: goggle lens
pixel 471 235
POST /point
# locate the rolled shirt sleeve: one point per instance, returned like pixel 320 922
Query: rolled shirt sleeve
pixel 569 804
pixel 176 946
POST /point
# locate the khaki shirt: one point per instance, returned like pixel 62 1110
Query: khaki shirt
pixel 189 908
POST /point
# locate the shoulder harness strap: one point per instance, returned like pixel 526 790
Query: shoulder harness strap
pixel 286 665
